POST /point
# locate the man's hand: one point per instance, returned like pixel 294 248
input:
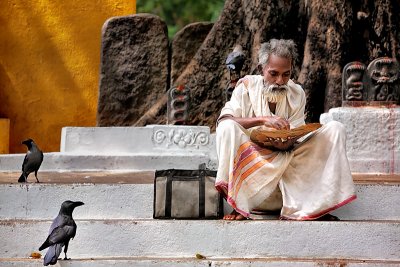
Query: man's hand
pixel 276 122
pixel 279 123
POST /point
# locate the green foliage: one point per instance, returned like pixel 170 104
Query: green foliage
pixel 178 13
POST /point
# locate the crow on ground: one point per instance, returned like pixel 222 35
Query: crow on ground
pixel 61 231
pixel 32 161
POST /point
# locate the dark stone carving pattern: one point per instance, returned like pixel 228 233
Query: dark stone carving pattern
pixel 352 81
pixel 379 82
pixel 178 105
pixel 383 74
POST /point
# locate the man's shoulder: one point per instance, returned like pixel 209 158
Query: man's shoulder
pixel 295 87
pixel 250 80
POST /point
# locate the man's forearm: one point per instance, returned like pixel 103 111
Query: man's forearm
pixel 268 121
pixel 245 122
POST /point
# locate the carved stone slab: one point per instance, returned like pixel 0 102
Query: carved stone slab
pixel 185 44
pixel 178 105
pixel 352 81
pixel 383 80
pixel 134 68
pixel 152 139
pixel 150 147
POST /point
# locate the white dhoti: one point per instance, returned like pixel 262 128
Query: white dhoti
pixel 314 178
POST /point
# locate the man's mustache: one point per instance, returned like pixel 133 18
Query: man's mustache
pixel 274 88
pixel 278 88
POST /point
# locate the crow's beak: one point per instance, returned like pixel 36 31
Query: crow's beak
pixel 78 203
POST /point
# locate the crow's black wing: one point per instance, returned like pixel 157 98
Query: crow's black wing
pixel 59 235
pixel 25 161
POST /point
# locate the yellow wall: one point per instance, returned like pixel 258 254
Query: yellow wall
pixel 49 65
pixel 4 136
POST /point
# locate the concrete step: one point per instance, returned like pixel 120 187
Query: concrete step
pixel 357 240
pixel 126 148
pixel 194 262
pixel 108 162
pixel 129 195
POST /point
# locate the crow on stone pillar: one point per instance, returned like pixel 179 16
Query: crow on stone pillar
pixel 234 62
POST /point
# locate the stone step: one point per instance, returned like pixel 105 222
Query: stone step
pixel 151 139
pixel 126 148
pixel 57 161
pixel 357 240
pixel 194 262
pixel 129 195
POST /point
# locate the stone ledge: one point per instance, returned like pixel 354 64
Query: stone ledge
pixel 145 177
pixel 121 162
pixel 152 139
pixel 194 262
pixel 369 240
pixel 129 195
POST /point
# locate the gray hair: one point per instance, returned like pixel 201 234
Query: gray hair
pixel 282 48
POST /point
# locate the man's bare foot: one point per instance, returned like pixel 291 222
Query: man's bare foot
pixel 234 216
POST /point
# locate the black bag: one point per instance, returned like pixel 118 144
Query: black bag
pixel 186 194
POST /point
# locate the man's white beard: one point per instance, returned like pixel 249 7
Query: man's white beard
pixel 274 93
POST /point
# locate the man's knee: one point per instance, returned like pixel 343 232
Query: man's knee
pixel 336 128
pixel 227 125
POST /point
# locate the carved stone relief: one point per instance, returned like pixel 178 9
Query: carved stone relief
pixel 352 81
pixel 383 77
pixel 178 105
pixel 180 138
pixel 379 82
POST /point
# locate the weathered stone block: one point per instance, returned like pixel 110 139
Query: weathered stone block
pixel 185 44
pixel 134 68
pixel 373 137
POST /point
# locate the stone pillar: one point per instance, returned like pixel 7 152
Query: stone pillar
pixel 134 68
pixel 4 136
pixel 185 44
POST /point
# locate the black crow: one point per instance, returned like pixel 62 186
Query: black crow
pixel 235 59
pixel 61 231
pixel 33 160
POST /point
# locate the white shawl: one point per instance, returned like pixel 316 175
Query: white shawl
pixel 248 101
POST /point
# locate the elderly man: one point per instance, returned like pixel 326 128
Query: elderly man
pixel 304 179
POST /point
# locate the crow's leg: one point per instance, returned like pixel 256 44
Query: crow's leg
pixel 65 250
pixel 36 176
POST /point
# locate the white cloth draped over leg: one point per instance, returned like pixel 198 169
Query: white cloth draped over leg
pixel 314 177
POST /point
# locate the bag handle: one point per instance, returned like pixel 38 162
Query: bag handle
pixel 168 194
pixel 202 190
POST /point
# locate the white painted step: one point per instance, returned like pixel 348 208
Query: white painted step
pixel 126 148
pixel 120 195
pixel 57 161
pixel 151 139
pixel 363 240
pixel 192 262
